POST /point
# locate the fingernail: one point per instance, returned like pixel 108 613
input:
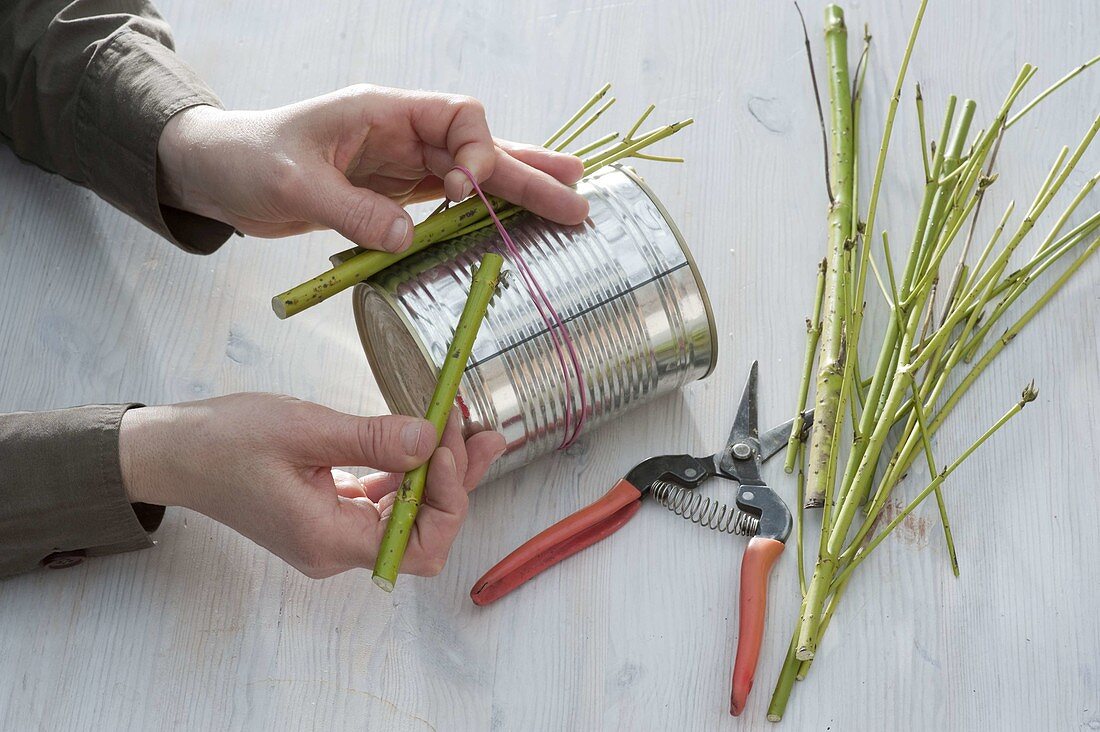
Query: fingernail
pixel 467 188
pixel 410 437
pixel 453 466
pixel 395 237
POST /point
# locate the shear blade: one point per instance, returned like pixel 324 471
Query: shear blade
pixel 776 438
pixel 745 425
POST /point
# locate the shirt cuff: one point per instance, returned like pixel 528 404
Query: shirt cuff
pixel 130 89
pixel 63 489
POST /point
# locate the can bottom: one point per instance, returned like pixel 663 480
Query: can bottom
pixel 405 374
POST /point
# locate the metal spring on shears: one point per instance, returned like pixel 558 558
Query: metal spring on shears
pixel 704 510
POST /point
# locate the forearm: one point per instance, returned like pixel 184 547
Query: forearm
pixel 62 488
pixel 86 89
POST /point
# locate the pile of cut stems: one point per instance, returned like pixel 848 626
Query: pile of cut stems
pixel 452 221
pixel 928 355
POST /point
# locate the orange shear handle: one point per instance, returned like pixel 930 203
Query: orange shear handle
pixel 756 566
pixel 564 539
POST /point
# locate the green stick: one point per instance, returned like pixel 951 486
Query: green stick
pixel 907 446
pixel 584 125
pixel 842 579
pixel 595 144
pixel 813 333
pixel 960 267
pixel 956 181
pixel 831 351
pixel 579 113
pixel 923 135
pixel 880 166
pixel 787 675
pixel 826 618
pixel 864 456
pixel 641 120
pixel 1050 90
pixel 922 425
pixel 921 421
pixel 888 353
pixel 800 519
pixel 850 389
pixel 430 231
pixel 863 460
pixel 411 493
pixel 1029 394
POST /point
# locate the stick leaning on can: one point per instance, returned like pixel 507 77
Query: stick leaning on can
pixel 411 493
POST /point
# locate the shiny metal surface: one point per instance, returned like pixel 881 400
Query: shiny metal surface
pixel 622 281
pixel 702 510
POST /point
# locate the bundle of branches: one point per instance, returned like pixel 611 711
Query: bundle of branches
pixel 450 222
pixel 923 348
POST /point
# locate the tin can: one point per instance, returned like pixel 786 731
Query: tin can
pixel 623 282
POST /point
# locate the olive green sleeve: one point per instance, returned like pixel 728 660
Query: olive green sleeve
pixel 86 88
pixel 61 490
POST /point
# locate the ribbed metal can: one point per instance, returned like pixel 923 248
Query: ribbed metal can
pixel 623 282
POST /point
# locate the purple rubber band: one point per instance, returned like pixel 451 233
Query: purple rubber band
pixel 574 421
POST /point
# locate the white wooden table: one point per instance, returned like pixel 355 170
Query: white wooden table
pixel 207 631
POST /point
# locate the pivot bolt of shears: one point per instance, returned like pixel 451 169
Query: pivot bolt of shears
pixel 741 451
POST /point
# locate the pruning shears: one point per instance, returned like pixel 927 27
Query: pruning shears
pixel 672 479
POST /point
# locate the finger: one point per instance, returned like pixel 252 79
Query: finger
pixel 403 191
pixel 384 506
pixel 392 443
pixel 566 168
pixel 369 219
pixel 438 521
pixel 378 485
pixel 446 503
pixel 441 516
pixel 391 187
pixel 458 125
pixel 452 440
pixel 443 489
pixel 484 449
pixel 361 522
pixel 429 189
pixel 347 485
pixel 536 191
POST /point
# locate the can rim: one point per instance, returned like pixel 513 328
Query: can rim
pixel 640 181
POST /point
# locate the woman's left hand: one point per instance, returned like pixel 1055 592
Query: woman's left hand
pixel 349 161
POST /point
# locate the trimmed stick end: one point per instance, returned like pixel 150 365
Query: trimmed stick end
pixel 804 653
pixel 834 18
pixel 279 307
pixel 384 583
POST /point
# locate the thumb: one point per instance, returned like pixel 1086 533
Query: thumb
pixel 391 443
pixel 369 219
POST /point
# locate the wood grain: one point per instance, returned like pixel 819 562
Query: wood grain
pixel 207 631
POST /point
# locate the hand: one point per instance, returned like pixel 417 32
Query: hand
pixel 262 464
pixel 349 161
